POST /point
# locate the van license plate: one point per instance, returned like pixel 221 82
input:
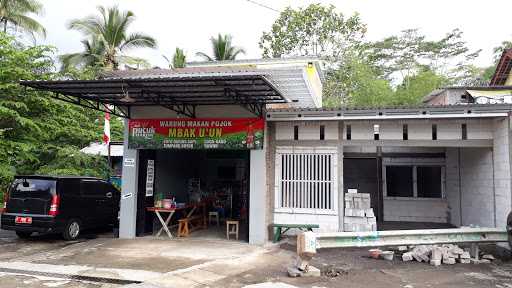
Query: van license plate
pixel 23 220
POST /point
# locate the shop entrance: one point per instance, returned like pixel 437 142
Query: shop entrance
pixel 211 180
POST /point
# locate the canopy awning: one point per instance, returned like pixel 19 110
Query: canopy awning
pixel 180 92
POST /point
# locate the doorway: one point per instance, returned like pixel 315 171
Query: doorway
pixel 217 179
pixel 363 174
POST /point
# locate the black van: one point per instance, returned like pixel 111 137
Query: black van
pixel 59 204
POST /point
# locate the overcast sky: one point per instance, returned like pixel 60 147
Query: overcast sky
pixel 190 23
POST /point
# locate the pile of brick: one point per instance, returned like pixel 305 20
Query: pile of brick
pixel 359 215
pixel 441 254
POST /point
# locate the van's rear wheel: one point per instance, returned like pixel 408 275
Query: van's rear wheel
pixel 23 235
pixel 72 230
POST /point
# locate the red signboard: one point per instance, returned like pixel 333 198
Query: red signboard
pixel 200 133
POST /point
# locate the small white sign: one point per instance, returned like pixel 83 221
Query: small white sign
pixel 129 162
pixel 352 190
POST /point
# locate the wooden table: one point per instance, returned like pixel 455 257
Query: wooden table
pixel 165 224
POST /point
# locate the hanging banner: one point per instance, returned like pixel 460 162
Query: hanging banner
pixel 205 133
pixel 150 177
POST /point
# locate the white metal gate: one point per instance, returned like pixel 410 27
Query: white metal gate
pixel 306 180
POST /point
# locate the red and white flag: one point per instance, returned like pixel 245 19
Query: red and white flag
pixel 106 129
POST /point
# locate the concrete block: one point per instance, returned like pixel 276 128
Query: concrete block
pixel 312 272
pixel 365 195
pixel 449 261
pixel 369 213
pixel 407 256
pixel 465 255
pixel 456 250
pixel 437 254
pixel 371 220
pixel 354 212
pixel 435 262
pixel 402 248
pixel 463 261
pixel 355 220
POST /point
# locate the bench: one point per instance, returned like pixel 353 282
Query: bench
pixel 187 225
pixel 280 229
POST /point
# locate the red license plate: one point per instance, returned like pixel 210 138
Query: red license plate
pixel 23 220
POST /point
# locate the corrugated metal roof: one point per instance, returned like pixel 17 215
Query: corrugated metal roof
pixel 289 81
pixel 179 72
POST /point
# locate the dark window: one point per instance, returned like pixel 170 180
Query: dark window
pixel 405 132
pixel 322 132
pixel 399 181
pixel 434 132
pixel 349 132
pixel 464 129
pixel 92 188
pixel 429 181
pixel 295 132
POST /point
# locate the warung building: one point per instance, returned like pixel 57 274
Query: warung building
pixel 252 137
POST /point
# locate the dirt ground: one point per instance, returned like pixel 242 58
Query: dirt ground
pixel 102 261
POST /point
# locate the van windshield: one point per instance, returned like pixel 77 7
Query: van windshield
pixel 33 188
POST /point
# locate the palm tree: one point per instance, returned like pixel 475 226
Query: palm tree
pixel 222 49
pixel 110 28
pixel 14 13
pixel 92 56
pixel 179 59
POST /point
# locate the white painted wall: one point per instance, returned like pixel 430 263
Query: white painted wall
pixel 328 223
pixel 307 130
pixel 257 197
pixel 477 129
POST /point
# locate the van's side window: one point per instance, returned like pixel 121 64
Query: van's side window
pixel 92 188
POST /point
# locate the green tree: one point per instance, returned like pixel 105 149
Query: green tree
pixel 403 56
pixel 415 87
pixel 91 57
pixel 222 49
pixel 179 59
pixel 356 83
pixel 313 31
pixel 37 133
pixel 109 31
pixel 14 14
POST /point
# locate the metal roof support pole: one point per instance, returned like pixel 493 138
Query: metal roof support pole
pixel 86 104
pixel 256 108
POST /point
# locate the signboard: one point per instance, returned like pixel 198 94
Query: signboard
pixel 200 133
pixel 150 178
pixel 129 162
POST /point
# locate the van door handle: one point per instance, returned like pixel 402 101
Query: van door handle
pixel 109 195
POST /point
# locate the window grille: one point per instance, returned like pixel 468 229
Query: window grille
pixel 306 180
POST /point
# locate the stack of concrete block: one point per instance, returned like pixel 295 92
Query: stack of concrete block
pixel 441 254
pixel 359 215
